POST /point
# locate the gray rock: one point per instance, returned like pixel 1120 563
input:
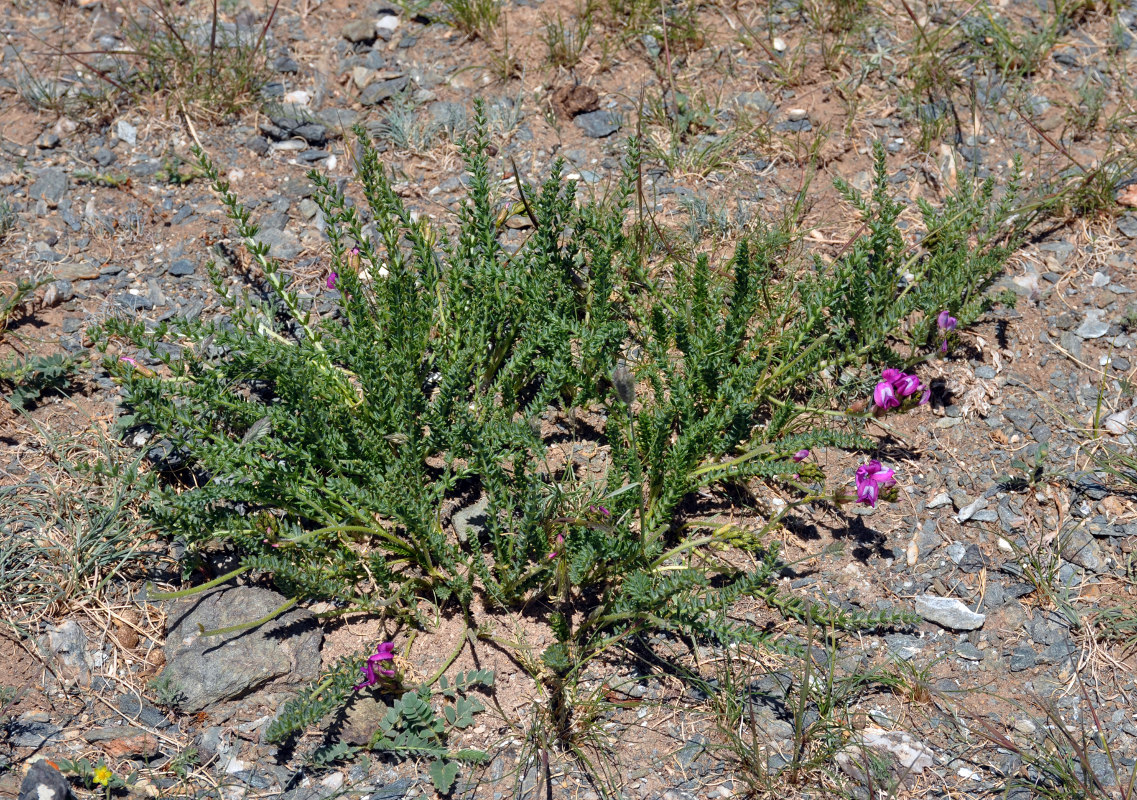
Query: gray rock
pixel 1079 547
pixel 181 268
pixel 281 244
pixel 378 92
pixel 258 144
pixel 597 124
pixel 206 670
pixel 948 612
pixel 1094 327
pixel 972 560
pixel 755 101
pixel 393 790
pixel 32 733
pixel 1071 343
pixel 67 645
pixel 337 120
pixel 44 782
pixel 939 501
pixel 1022 657
pixel 50 186
pixel 969 652
pixel 359 30
pixel 1127 224
pixel 360 719
pixel 968 511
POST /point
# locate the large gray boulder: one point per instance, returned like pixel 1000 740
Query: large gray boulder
pixel 201 671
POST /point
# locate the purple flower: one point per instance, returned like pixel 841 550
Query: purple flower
pixel 946 322
pixel 332 276
pixel 800 455
pixel 891 375
pixel 884 395
pixel 907 385
pixel 371 671
pixel 870 477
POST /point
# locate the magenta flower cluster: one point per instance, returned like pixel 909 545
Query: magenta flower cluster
pixel 894 386
pixel 371 669
pixel 870 478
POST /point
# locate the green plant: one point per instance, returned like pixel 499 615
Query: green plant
pixel 335 447
pixel 110 179
pixel 97 776
pixel 29 379
pixel 475 18
pixel 412 725
pixel 1067 760
pixel 59 546
pixel 212 68
pixel 565 41
pixel 8 219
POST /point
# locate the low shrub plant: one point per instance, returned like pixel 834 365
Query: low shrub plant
pixel 331 453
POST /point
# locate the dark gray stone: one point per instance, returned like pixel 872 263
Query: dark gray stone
pixel 1022 657
pixel 380 91
pixel 50 186
pixel 44 782
pixel 1127 224
pixel 393 790
pixel 31 733
pixel 597 124
pixel 203 671
pixel 258 144
pixel 972 560
pixel 181 268
pixel 286 64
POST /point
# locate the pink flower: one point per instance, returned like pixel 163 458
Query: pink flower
pixel 891 375
pixel 560 543
pixel 370 669
pixel 332 276
pixel 128 360
pixel 907 385
pixel 800 455
pixel 884 395
pixel 870 477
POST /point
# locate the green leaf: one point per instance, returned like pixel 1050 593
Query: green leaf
pixel 443 773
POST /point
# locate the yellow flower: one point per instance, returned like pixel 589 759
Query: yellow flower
pixel 102 775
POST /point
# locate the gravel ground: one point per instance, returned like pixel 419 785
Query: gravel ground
pixel 1021 583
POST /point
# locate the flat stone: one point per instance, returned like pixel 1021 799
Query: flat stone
pixel 1094 327
pixel 757 101
pixel 968 511
pixel 1127 224
pixel 948 612
pixel 380 91
pixel 1022 657
pixel 337 121
pixel 359 30
pixel 597 124
pixel 939 501
pixel 181 268
pixel 202 671
pixel 281 244
pixel 50 186
pixel 32 733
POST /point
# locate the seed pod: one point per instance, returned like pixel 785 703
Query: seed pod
pixel 624 383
